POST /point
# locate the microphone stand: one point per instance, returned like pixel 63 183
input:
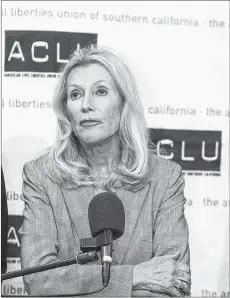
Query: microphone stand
pixel 81 258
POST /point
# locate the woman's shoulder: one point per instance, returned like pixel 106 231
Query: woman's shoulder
pixel 37 164
pixel 165 168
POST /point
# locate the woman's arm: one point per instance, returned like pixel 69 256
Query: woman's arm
pixel 170 236
pixel 39 245
pixel 171 229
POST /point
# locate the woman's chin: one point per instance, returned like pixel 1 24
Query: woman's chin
pixel 94 138
pixel 91 140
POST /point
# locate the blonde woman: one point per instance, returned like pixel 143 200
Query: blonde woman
pixel 102 145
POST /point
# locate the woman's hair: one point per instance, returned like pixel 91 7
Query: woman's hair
pixel 67 164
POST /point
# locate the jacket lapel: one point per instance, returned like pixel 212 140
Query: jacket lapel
pixel 133 202
pixel 77 203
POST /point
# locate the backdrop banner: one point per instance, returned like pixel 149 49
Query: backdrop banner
pixel 179 54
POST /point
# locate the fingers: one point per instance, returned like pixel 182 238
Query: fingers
pixel 169 273
pixel 175 292
pixel 186 289
pixel 176 256
pixel 183 267
pixel 183 287
pixel 183 276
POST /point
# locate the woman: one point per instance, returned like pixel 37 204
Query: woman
pixel 102 145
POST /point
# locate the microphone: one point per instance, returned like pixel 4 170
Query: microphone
pixel 107 221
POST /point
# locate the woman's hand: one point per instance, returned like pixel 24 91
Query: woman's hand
pixel 163 274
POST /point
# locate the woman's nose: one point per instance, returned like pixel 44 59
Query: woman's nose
pixel 87 103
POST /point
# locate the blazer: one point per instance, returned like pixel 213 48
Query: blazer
pixel 56 218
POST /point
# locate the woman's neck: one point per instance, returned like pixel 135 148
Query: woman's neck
pixel 104 156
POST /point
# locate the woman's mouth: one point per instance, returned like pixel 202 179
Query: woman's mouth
pixel 88 123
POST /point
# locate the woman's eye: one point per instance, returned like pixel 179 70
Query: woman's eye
pixel 75 94
pixel 101 92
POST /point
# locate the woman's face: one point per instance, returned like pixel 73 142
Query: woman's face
pixel 93 103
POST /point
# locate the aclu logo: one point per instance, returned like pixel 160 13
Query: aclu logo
pixel 13 238
pixel 42 51
pixel 197 151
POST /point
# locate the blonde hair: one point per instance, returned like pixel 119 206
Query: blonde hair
pixel 66 163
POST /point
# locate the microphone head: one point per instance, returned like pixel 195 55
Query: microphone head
pixel 106 212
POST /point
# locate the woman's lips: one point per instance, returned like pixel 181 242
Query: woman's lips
pixel 90 123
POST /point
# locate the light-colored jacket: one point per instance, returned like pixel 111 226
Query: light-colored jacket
pixel 55 219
